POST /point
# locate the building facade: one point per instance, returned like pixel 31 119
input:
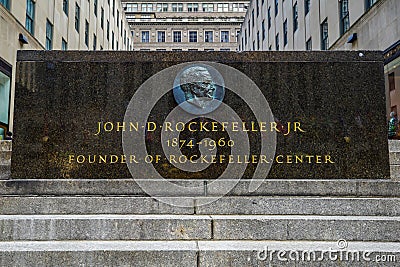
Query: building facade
pixel 185 25
pixel 58 25
pixel 328 25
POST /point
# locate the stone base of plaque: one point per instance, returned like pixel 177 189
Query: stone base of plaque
pixel 113 223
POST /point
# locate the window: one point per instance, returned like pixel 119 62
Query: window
pixel 208 7
pixel 235 7
pixel 223 7
pixel 95 7
pixel 147 7
pixel 132 7
pixel 393 109
pixel 94 42
pixel 145 36
pixel 252 18
pixel 102 18
pixel 118 19
pixel 344 16
pixel 108 30
pixel 49 35
pixel 112 40
pixel 30 15
pixel 263 29
pixel 392 84
pixel 77 17
pixel 254 45
pixel 245 37
pixel 208 36
pixel 113 9
pixel 162 7
pixel 369 3
pixel 269 18
pixel 193 7
pixel 258 40
pixel 248 26
pixel 5 3
pixel 258 9
pixel 64 45
pixel 295 18
pixel 285 37
pixel 324 35
pixel 307 4
pixel 193 36
pixel 161 36
pixel 87 33
pixel 65 7
pixel 161 49
pixel 5 90
pixel 277 42
pixel 177 7
pixel 276 7
pixel 177 36
pixel 224 36
pixel 309 44
pixel 237 35
pixel 225 49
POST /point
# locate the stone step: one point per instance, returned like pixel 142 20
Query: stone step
pixel 198 227
pixel 394 145
pixel 270 187
pixel 394 157
pixel 199 253
pixel 395 172
pixel 257 205
pixel 5 145
pixel 5 171
pixel 5 157
pixel 104 227
pixel 332 206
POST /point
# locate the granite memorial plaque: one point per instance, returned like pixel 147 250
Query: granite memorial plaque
pixel 197 115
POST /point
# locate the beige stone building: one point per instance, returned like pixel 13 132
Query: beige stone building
pixel 58 25
pixel 185 25
pixel 328 25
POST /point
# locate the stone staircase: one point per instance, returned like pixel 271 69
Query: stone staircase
pixel 61 222
pixel 82 223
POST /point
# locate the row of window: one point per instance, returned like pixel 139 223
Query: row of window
pixel 29 23
pixel 190 49
pixel 344 24
pixel 344 18
pixel 190 7
pixel 192 37
pixel 119 21
pixel 324 38
pixel 64 43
